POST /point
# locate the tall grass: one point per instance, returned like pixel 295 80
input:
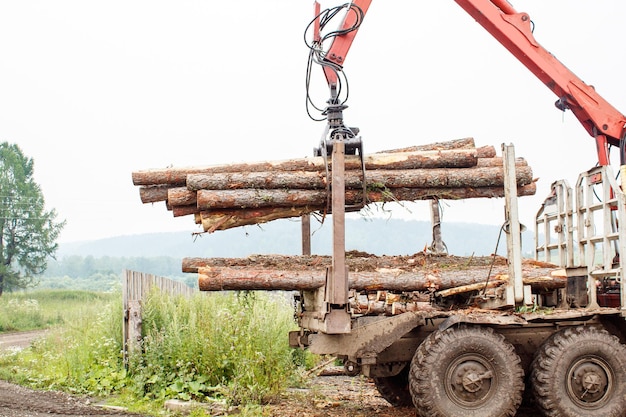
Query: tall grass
pixel 228 346
pixel 231 345
pixel 81 356
pixel 42 309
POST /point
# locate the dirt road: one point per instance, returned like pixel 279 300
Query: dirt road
pixel 19 340
pixel 343 396
pixel 17 401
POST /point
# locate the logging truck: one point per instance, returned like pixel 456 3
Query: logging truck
pixel 473 350
pixel 467 339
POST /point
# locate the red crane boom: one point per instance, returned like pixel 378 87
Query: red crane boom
pixel 514 31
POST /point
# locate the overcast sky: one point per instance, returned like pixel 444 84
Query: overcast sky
pixel 94 90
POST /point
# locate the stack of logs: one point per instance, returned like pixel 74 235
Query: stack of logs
pixel 225 196
pixel 387 285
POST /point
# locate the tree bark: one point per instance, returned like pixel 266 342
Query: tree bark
pixel 486 152
pixel 179 211
pixel 258 279
pixel 497 161
pixel 464 143
pixel 413 178
pixel 181 196
pixel 228 218
pixel 477 177
pixel 362 261
pixel 153 193
pixel 264 180
pixel 245 199
pixel 222 219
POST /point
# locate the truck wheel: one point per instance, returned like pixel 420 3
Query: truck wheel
pixel 580 372
pixel 395 389
pixel 466 371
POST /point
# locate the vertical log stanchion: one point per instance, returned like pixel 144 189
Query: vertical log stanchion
pixel 338 320
pixel 514 232
pixel 306 234
pixel 437 246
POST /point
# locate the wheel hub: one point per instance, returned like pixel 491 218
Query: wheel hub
pixel 589 381
pixel 469 380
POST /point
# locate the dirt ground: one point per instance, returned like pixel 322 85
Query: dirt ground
pixel 327 396
pixel 344 396
pixel 17 401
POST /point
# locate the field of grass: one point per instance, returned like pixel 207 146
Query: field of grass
pixel 42 309
pixel 224 347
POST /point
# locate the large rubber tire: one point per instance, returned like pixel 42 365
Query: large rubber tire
pixel 395 389
pixel 466 372
pixel 580 372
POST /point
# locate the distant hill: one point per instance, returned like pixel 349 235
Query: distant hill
pixel 376 236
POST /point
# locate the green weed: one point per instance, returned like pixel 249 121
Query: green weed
pixel 227 346
pixel 215 345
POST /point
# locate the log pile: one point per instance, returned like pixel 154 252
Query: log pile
pixel 225 196
pixel 418 272
pixel 378 284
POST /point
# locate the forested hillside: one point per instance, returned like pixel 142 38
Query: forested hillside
pixel 97 265
pixel 373 235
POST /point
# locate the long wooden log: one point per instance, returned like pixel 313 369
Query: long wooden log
pixel 489 176
pixel 464 143
pixel 256 279
pixel 156 193
pixel 413 178
pixel 228 219
pixel 304 180
pixel 455 158
pixel 222 219
pixel 249 198
pixel 493 282
pixel 497 161
pixel 362 261
pixel 225 199
pixel 487 151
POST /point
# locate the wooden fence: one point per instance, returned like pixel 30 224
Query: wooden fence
pixel 135 288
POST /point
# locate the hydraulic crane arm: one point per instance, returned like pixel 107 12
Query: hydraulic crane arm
pixel 338 49
pixel 513 30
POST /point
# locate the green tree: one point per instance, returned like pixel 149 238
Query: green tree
pixel 28 233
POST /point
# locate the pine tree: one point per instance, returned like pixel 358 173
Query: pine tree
pixel 28 232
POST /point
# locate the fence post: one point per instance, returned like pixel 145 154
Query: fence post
pixel 134 326
pixel 135 287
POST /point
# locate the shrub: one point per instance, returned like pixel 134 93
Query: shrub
pixel 231 345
